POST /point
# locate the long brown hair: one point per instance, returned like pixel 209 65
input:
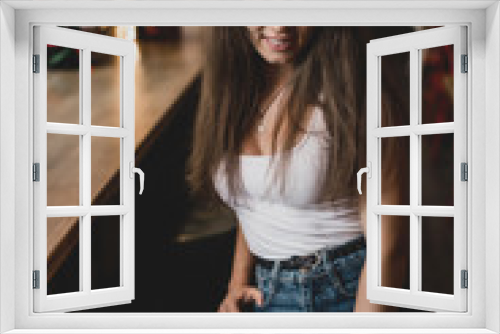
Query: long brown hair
pixel 234 85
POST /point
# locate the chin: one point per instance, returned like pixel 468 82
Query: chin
pixel 280 60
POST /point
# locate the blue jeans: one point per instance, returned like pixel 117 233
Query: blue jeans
pixel 330 286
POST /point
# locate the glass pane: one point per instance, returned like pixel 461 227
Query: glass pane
pixel 395 230
pixel 105 100
pixel 437 254
pixel 63 169
pixel 105 245
pixel 395 110
pixel 63 84
pixel 105 166
pixel 437 169
pixel 63 248
pixel 395 170
pixel 437 84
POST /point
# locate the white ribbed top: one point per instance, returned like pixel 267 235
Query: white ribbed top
pixel 279 225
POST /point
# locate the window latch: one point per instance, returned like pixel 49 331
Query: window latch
pixel 133 170
pixel 368 171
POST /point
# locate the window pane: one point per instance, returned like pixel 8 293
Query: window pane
pixel 395 230
pixel 437 84
pixel 63 264
pixel 437 254
pixel 105 165
pixel 63 170
pixel 395 169
pixel 105 100
pixel 105 252
pixel 437 169
pixel 395 111
pixel 63 84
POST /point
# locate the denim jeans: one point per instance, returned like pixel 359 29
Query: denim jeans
pixel 329 286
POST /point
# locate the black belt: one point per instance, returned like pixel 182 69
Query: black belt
pixel 297 262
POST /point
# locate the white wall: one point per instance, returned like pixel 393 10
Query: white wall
pixel 492 164
pixel 7 161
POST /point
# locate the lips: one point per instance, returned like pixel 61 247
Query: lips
pixel 278 44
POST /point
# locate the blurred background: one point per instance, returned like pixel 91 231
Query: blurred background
pixel 183 252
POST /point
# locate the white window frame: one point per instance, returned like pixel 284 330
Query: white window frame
pixel 86 43
pixel 413 44
pixel 483 20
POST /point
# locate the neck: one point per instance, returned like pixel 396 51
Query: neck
pixel 278 75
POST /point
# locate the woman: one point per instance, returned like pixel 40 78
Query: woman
pixel 279 137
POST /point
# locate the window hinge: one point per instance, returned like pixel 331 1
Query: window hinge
pixel 36 172
pixel 465 63
pixel 465 279
pixel 36 279
pixel 36 63
pixel 464 172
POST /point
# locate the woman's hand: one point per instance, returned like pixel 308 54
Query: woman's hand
pixel 239 295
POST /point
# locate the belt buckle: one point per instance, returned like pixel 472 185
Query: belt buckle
pixel 317 260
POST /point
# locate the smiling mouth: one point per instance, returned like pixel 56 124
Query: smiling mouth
pixel 279 44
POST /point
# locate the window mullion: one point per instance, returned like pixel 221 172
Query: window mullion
pixel 419 129
pixel 418 135
pixel 414 173
pixel 85 162
pixel 419 210
pixel 81 230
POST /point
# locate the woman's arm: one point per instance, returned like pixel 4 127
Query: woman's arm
pixel 393 260
pixel 243 262
pixel 239 289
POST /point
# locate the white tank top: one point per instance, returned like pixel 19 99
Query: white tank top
pixel 279 225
